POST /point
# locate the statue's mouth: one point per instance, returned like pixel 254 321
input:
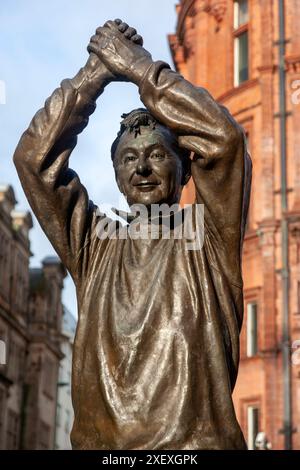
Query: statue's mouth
pixel 146 185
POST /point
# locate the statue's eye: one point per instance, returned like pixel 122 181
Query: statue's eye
pixel 157 156
pixel 130 158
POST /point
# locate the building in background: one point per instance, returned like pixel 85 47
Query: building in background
pixel 247 54
pixel 30 326
pixel 44 354
pixel 65 414
pixel 14 290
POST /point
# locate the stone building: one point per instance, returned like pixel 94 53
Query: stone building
pixel 30 328
pixel 247 54
pixel 65 414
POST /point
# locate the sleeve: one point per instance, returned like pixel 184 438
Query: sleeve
pixel 54 191
pixel 221 166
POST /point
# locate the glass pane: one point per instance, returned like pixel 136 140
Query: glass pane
pixel 240 13
pixel 251 329
pixel 253 422
pixel 243 58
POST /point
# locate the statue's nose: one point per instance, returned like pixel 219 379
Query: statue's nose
pixel 143 167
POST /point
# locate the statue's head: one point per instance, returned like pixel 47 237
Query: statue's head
pixel 150 167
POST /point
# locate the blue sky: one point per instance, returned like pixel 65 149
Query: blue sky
pixel 43 42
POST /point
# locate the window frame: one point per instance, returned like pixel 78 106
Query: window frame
pixel 251 295
pixel 238 31
pixel 251 432
pixel 251 350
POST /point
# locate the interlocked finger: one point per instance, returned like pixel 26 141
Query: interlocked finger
pixel 123 27
pixel 92 48
pixel 137 39
pixel 110 24
pixel 95 38
pixel 99 30
pixel 130 32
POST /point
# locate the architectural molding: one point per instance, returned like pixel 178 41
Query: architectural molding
pixel 237 90
pixel 293 64
pixel 215 8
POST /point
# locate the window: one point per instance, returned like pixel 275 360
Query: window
pixel 251 329
pixel 240 13
pixel 241 47
pixel 12 431
pixel 2 350
pixel 253 425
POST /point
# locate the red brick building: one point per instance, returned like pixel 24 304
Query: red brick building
pixel 247 54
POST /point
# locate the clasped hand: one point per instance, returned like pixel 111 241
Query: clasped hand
pixel 119 48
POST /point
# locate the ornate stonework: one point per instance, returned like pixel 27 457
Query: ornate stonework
pixel 217 8
pixel 182 44
pixel 189 41
pixel 176 50
pixel 189 8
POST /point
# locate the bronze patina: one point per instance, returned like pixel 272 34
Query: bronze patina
pixel 157 344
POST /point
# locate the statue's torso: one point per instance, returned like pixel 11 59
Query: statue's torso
pixel 153 349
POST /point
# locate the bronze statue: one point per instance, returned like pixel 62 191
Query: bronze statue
pixel 157 344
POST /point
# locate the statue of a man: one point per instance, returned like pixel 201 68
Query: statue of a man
pixel 157 345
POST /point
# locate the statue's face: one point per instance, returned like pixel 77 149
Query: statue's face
pixel 148 171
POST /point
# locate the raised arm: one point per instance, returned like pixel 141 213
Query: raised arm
pixel 54 191
pixel 221 167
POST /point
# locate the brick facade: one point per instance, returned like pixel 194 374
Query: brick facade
pixel 203 51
